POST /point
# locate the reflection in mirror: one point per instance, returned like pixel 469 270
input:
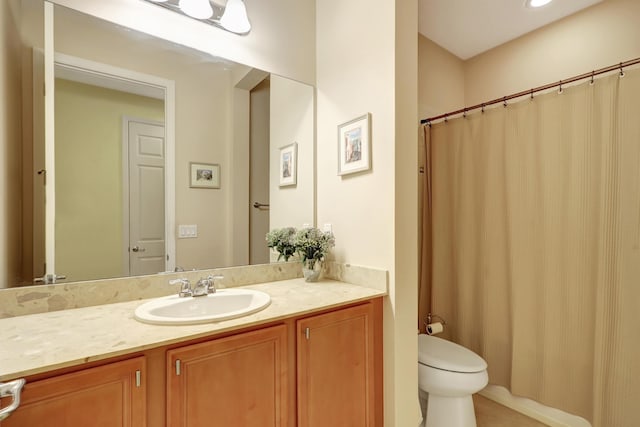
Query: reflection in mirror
pixel 117 142
pixel 110 152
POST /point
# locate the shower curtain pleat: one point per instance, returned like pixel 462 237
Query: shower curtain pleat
pixel 425 273
pixel 534 253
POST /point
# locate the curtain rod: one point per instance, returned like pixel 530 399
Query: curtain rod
pixel 504 99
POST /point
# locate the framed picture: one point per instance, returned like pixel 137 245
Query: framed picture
pixel 354 145
pixel 288 165
pixel 204 175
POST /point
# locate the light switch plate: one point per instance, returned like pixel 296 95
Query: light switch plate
pixel 187 231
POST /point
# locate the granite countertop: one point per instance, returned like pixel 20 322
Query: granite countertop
pixel 43 342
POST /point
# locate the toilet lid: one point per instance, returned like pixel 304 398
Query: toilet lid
pixel 447 355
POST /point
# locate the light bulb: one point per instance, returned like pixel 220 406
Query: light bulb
pixel 235 17
pixel 199 9
pixel 537 3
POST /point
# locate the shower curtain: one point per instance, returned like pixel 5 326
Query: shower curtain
pixel 533 245
pixel 425 232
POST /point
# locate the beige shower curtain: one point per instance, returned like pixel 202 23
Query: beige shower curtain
pixel 426 268
pixel 536 245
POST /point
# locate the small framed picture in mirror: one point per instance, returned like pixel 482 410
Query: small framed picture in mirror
pixel 204 175
pixel 288 165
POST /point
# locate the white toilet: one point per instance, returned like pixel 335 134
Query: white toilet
pixel 448 374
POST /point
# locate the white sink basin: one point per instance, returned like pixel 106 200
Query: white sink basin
pixel 223 305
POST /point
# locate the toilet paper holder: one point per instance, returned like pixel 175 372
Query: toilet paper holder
pixel 432 328
pixel 431 316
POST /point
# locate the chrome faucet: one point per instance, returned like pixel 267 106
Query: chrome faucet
pixel 185 289
pixel 202 287
pixel 206 286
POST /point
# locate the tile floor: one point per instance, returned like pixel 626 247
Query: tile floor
pixel 492 414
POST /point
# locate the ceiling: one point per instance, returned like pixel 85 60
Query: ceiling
pixel 469 27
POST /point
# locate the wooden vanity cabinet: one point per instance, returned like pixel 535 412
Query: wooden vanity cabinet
pixel 322 370
pixel 243 380
pixel 111 395
pixel 238 381
pixel 339 371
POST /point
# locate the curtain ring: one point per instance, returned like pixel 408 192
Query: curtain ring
pixel 592 74
pixel 482 109
pixel 621 71
pixel 532 94
pixel 446 119
pixel 560 90
pixel 504 102
pixel 464 114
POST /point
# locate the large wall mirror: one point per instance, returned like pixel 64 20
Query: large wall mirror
pixel 165 157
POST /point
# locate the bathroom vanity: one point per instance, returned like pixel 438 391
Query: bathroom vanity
pixel 312 358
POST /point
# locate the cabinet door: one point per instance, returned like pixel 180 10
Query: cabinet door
pixel 336 369
pixel 234 381
pixel 106 396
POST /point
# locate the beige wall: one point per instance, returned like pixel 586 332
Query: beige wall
pixel 292 116
pixel 203 134
pixel 10 148
pixel 405 308
pixel 31 27
pixel 369 65
pixel 259 146
pixel 602 35
pixel 89 176
pixel 276 23
pixel 440 79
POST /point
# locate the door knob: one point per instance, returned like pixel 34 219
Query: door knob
pixel 137 249
pixel 48 279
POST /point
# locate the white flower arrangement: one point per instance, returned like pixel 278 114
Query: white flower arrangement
pixel 311 244
pixel 281 239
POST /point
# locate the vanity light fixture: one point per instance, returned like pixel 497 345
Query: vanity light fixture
pixel 198 9
pixel 536 3
pixel 235 17
pixel 232 17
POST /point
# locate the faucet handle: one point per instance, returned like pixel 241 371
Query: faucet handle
pixel 185 289
pixel 211 286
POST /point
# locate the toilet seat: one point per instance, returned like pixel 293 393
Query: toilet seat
pixel 449 356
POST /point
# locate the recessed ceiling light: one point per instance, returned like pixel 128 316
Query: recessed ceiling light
pixel 536 3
